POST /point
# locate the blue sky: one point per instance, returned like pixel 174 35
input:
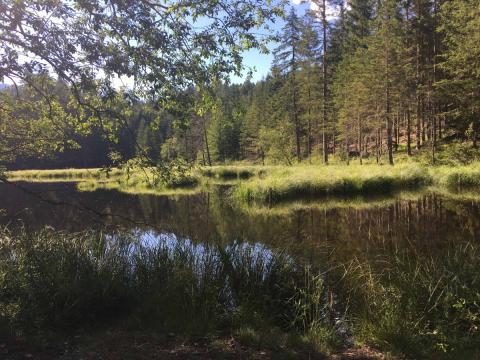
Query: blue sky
pixel 261 62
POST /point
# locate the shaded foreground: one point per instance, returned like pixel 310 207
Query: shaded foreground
pixel 231 300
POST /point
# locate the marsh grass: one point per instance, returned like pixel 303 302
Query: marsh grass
pixel 459 177
pixel 138 178
pixel 314 182
pixel 59 282
pixel 139 189
pixel 421 306
pixel 398 300
pixel 233 172
pixel 271 185
pixel 63 175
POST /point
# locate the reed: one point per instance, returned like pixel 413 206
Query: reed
pixel 421 306
pixel 60 282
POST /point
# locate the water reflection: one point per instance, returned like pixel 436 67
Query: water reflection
pixel 425 223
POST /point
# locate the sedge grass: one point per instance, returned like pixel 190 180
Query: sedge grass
pixel 313 182
pixel 421 306
pixel 457 177
pixel 63 282
pixel 53 175
pixel 232 172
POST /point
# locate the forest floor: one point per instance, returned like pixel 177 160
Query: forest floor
pixel 138 346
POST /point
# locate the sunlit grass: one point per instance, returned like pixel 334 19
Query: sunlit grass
pixel 273 184
pixel 289 183
pixel 138 188
pixel 457 177
pixel 53 175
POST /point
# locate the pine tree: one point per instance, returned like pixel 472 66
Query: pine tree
pixel 287 61
pixel 310 96
pixel 460 24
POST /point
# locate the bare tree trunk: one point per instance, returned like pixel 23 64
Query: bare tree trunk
pixel 418 134
pixel 409 135
pixel 388 115
pixel 360 148
pixel 423 123
pixel 325 95
pixel 309 129
pixel 295 110
pixel 440 127
pixel 347 147
pixel 434 107
pixel 417 79
pixel 205 138
pixel 434 137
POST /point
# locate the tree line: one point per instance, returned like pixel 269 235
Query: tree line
pixel 381 77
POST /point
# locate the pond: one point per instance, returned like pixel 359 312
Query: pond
pixel 425 221
pixel 400 269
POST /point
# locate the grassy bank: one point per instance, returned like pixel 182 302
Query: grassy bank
pixel 457 177
pixel 138 181
pixel 140 188
pixel 273 184
pixel 313 182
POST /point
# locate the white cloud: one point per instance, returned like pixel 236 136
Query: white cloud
pixel 332 11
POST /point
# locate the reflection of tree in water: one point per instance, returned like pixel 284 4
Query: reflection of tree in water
pixel 424 224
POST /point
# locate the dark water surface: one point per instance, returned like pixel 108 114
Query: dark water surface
pixel 425 222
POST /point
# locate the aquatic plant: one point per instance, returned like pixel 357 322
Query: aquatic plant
pixel 55 281
pixel 313 182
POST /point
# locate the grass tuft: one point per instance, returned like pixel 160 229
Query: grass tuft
pixel 54 281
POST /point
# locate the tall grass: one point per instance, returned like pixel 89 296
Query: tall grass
pixel 421 306
pixel 139 178
pixel 311 182
pixel 52 281
pixel 458 177
pixel 63 174
pixel 231 172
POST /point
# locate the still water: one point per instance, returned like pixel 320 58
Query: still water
pixel 423 221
